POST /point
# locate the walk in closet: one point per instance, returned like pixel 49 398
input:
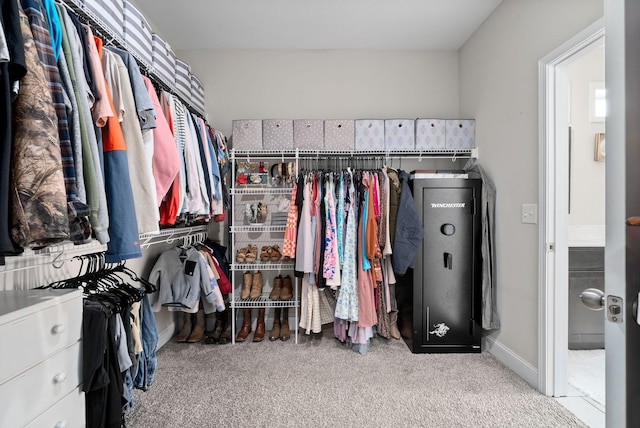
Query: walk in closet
pixel 156 184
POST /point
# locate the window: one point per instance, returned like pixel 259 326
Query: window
pixel 597 102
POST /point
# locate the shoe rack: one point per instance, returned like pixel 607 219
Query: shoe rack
pixel 251 228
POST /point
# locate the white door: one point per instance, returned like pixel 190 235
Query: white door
pixel 622 254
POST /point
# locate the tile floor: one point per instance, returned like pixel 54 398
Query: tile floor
pixel 586 387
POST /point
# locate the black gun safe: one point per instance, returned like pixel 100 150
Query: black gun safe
pixel 439 300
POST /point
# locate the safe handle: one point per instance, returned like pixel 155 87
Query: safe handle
pixel 448 261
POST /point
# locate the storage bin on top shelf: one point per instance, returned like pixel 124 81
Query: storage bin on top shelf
pixel 277 134
pixel 461 134
pixel 339 134
pixel 246 134
pixel 163 60
pixel 183 79
pixel 369 134
pixel 197 93
pixel 399 134
pixel 109 14
pixel 308 134
pixel 137 33
pixel 430 134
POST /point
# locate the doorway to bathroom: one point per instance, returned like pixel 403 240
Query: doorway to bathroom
pixel 572 230
pixel 586 222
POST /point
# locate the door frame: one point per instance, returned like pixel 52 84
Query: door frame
pixel 553 254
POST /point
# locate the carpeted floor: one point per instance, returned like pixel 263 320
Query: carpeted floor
pixel 322 383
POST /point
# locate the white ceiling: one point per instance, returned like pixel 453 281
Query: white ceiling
pixel 316 24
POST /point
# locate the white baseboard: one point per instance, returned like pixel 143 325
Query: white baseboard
pixel 512 360
pixel 165 335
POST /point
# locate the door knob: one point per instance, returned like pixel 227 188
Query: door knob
pixel 593 299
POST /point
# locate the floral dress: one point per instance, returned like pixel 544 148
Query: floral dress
pixel 347 302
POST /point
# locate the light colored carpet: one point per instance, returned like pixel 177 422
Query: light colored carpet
pixel 586 372
pixel 322 383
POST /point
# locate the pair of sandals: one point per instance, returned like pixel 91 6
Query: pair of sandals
pixel 247 254
pixel 271 253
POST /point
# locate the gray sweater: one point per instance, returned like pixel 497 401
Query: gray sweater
pixel 181 282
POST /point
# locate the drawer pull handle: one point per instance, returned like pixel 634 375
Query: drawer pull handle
pixel 58 329
pixel 59 378
pixel 61 424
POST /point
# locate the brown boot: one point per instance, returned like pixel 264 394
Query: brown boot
pixel 277 288
pixel 285 333
pixel 246 326
pixel 186 328
pixel 246 285
pixel 256 285
pixel 287 288
pixel 212 336
pixel 225 336
pixel 275 330
pixel 258 336
pixel 198 330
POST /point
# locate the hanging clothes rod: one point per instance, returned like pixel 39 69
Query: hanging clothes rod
pixel 58 261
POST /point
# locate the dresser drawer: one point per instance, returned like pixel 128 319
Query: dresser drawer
pixel 39 387
pixel 30 338
pixel 68 413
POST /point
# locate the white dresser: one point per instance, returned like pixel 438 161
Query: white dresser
pixel 40 359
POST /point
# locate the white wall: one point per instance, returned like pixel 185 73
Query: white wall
pixel 499 87
pixel 586 217
pixel 325 84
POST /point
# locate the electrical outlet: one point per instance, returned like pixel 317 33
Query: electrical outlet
pixel 530 213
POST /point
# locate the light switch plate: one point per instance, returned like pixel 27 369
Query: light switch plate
pixel 530 213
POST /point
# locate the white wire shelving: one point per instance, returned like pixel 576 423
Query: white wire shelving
pixel 257 228
pixel 263 301
pixel 322 154
pixel 260 190
pixel 189 235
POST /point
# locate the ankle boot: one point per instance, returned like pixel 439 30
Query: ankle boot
pixel 258 336
pixel 256 285
pixel 287 288
pixel 285 333
pixel 246 326
pixel 275 330
pixel 277 288
pixel 246 285
pixel 225 336
pixel 198 330
pixel 186 328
